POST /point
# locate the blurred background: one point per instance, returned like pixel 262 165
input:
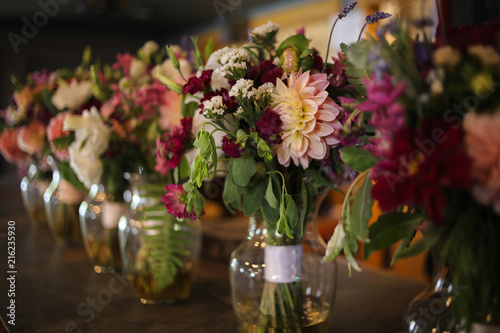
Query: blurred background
pixel 52 34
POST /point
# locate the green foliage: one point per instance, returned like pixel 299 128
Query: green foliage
pixel 243 169
pixel 166 240
pixel 68 174
pixel 187 109
pixel 198 58
pixel 358 158
pixel 171 84
pixel 362 211
pixel 390 228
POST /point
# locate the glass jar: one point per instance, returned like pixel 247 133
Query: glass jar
pixel 430 311
pixel 283 288
pixel 99 216
pixel 160 253
pixel 33 186
pixel 62 201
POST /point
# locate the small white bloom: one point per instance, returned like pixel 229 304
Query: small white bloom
pixel 231 61
pixel 238 111
pixel 72 95
pixel 214 106
pixel 217 81
pixel 138 69
pixel 265 89
pixel 266 28
pixel 149 48
pixel 446 56
pixel 243 88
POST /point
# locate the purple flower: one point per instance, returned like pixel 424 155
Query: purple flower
pixel 377 16
pixel 347 9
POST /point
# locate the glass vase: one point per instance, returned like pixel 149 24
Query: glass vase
pixel 283 285
pixel 99 216
pixel 430 311
pixel 33 186
pixel 160 253
pixel 62 201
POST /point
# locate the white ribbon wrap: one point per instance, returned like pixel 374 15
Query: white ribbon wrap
pixel 283 263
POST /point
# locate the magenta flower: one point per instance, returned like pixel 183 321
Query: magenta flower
pixel 175 201
pixel 171 149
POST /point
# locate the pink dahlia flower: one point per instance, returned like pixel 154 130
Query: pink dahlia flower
pixel 482 138
pixel 309 118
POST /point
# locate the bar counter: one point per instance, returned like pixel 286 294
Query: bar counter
pixel 56 290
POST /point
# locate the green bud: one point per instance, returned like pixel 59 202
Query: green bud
pixel 173 57
pixel 290 60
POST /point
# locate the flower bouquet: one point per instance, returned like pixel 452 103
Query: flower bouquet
pixel 118 138
pixel 142 124
pixel 431 163
pixel 23 139
pixel 271 118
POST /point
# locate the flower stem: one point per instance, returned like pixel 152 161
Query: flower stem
pixel 328 47
pixel 361 32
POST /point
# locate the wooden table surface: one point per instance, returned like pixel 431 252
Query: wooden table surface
pixel 56 290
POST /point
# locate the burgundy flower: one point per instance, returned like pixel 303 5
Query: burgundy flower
pixel 418 167
pixel 197 84
pixel 231 148
pixel 265 72
pixel 171 149
pixel 175 201
pixel 269 127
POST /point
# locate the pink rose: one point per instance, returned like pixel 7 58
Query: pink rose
pixel 9 148
pixel 31 138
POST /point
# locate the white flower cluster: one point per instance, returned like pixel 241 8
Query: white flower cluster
pixel 233 60
pixel 238 111
pixel 266 28
pixel 214 107
pixel 243 88
pixel 264 90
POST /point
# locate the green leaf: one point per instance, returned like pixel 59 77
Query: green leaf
pixel 183 168
pixel 209 48
pixel 188 109
pixel 291 211
pixel 313 173
pixel 171 84
pixel 362 211
pixel 405 242
pixel 270 197
pixel 336 243
pixel 419 246
pixel 243 169
pixel 251 198
pixel 357 158
pixel 298 41
pixel 390 228
pixel 263 150
pixel 198 58
pixel 270 214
